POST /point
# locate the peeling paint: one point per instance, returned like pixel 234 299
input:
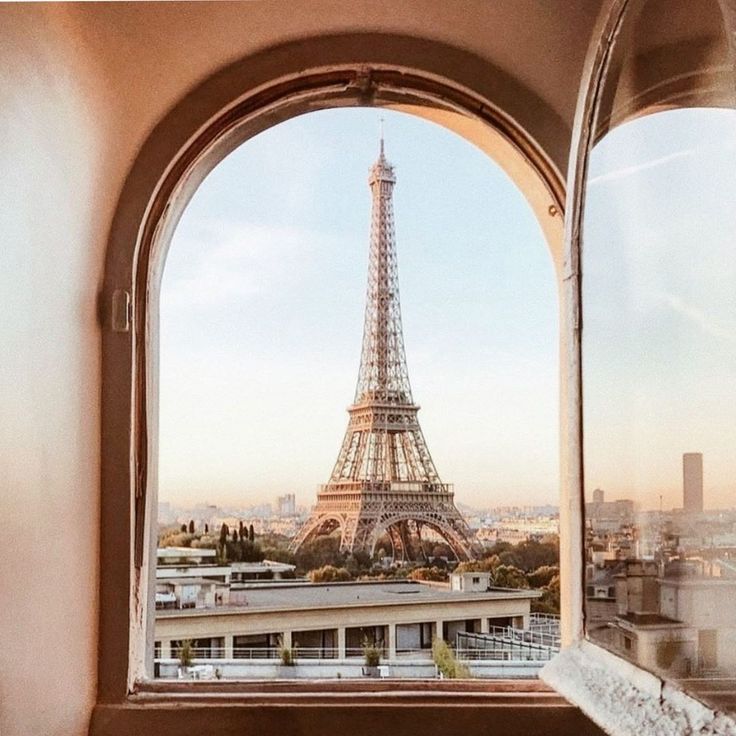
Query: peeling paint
pixel 624 700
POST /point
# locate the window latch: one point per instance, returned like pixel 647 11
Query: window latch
pixel 121 311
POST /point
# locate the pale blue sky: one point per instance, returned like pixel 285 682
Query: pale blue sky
pixel 659 301
pixel 262 311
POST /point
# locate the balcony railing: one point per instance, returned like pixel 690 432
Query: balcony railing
pixel 508 644
pixel 472 647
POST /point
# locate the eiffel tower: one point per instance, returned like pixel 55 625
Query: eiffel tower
pixel 384 482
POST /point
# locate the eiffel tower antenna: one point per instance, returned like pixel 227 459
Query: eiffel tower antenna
pixel 384 483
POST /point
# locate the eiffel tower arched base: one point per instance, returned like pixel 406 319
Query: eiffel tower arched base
pixel 364 518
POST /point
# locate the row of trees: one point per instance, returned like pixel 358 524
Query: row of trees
pixel 238 545
pixel 530 564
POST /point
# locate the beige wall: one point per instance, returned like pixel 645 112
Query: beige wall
pixel 52 158
pixel 81 86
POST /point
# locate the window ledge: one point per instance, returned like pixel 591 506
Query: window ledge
pixel 360 709
pixel 624 699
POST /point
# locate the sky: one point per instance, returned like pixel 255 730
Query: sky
pixel 262 306
pixel 659 305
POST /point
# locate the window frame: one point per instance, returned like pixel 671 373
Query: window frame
pixel 588 675
pixel 180 152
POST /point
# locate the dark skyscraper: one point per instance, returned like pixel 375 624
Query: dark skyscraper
pixel 692 482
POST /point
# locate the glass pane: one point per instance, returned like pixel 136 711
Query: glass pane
pixel 266 323
pixel 659 350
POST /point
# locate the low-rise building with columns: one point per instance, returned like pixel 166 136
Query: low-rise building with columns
pixel 336 620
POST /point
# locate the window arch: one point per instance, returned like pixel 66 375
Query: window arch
pixel 180 152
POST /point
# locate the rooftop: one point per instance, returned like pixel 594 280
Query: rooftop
pixel 261 566
pixel 299 596
pixel 650 619
pixel 185 552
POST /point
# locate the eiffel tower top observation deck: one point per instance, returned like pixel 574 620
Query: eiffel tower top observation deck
pixel 384 481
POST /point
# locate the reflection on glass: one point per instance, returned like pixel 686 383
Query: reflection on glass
pixel 659 352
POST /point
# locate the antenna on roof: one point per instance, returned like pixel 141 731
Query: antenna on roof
pixel 381 125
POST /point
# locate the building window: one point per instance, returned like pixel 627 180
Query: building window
pixel 243 282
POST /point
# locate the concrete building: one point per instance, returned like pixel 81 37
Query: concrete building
pixel 708 605
pixel 250 572
pixel 676 620
pixel 600 596
pixel 468 581
pixel 335 620
pixel 692 482
pixel 603 515
pixel 191 578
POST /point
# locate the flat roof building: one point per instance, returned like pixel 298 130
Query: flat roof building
pixel 334 620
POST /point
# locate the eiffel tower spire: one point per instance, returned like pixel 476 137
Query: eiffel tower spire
pixel 384 481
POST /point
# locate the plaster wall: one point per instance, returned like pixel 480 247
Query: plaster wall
pixel 56 200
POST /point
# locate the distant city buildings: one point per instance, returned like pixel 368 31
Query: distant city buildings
pixel 692 482
pixel 661 585
pixel 605 515
pixel 286 505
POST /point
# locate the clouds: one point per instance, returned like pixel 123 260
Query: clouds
pixel 627 171
pixel 220 262
pixel 699 318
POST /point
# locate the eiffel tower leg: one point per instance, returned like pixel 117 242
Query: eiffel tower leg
pixel 422 552
pixel 317 525
pixel 406 541
pixel 397 543
pixel 347 538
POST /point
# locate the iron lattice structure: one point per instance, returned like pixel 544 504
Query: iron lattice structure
pixel 384 481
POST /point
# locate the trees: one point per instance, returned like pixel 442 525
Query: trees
pixel 319 552
pixel 508 576
pixel 435 574
pixel 251 534
pixel 329 574
pixel 542 575
pixel 191 526
pixel 444 659
pixel 531 554
pixel 550 600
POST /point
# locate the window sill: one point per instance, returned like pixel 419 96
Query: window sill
pixel 303 707
pixel 626 699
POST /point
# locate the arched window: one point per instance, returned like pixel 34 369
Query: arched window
pixel 133 277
